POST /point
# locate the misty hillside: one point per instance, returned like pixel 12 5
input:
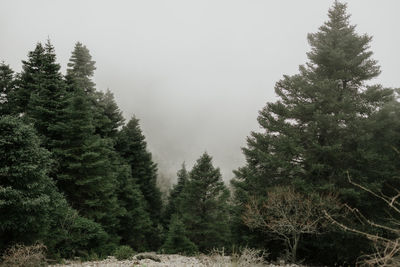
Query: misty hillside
pixel 98 175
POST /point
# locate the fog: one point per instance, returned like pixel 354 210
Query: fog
pixel 195 73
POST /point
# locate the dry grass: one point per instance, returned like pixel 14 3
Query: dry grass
pixel 25 256
pixel 244 258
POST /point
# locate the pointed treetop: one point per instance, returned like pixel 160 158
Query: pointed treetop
pixel 81 68
pixel 339 53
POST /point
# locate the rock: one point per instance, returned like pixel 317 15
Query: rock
pixel 151 256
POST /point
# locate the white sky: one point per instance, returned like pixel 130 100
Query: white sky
pixel 195 73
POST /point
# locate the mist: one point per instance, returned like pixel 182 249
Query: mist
pixel 195 73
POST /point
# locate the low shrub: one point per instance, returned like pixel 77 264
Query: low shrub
pixel 25 256
pixel 242 258
pixel 123 253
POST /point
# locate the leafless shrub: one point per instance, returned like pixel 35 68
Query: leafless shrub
pixel 289 215
pixel 25 256
pixel 249 257
pixel 243 258
pixel 387 250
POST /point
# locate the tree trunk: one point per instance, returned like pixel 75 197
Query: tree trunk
pixel 296 238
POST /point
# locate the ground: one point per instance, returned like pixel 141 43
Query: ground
pixel 175 260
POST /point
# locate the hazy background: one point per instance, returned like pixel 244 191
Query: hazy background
pixel 194 72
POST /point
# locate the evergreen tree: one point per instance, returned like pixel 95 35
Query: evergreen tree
pixel 318 129
pixel 108 117
pixel 41 94
pixel 132 148
pixel 177 240
pixel 31 207
pixel 204 206
pixel 135 224
pixel 25 188
pixel 81 69
pixel 7 85
pixel 86 174
pixel 30 80
pixel 174 198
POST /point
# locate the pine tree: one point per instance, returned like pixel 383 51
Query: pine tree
pixel 177 240
pixel 204 206
pixel 25 187
pixel 81 69
pixel 7 85
pixel 30 80
pixel 86 174
pixel 131 146
pixel 318 129
pixel 108 117
pixel 40 94
pixel 135 224
pixel 174 198
pixel 31 207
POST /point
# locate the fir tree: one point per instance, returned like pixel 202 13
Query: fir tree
pixel 108 117
pixel 175 195
pixel 41 94
pixel 25 188
pixel 7 85
pixel 86 174
pixel 81 69
pixel 204 206
pixel 131 146
pixel 318 129
pixel 135 224
pixel 177 240
pixel 30 80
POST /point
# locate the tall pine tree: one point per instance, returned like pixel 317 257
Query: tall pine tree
pixel 135 224
pixel 132 147
pixel 107 117
pixel 81 69
pixel 204 206
pixel 174 198
pixel 7 84
pixel 317 131
pixel 41 93
pixel 86 174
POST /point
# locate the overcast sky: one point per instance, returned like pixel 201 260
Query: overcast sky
pixel 195 73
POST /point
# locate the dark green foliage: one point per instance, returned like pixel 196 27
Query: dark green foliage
pixel 135 224
pixel 72 235
pixel 30 80
pixel 123 253
pixel 107 118
pixel 322 126
pixel 86 175
pixel 132 148
pixel 204 206
pixel 25 188
pixel 174 198
pixel 7 85
pixel 81 69
pixel 31 208
pixel 177 240
pixel 41 93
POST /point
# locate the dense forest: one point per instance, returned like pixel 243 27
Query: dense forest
pixel 320 183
